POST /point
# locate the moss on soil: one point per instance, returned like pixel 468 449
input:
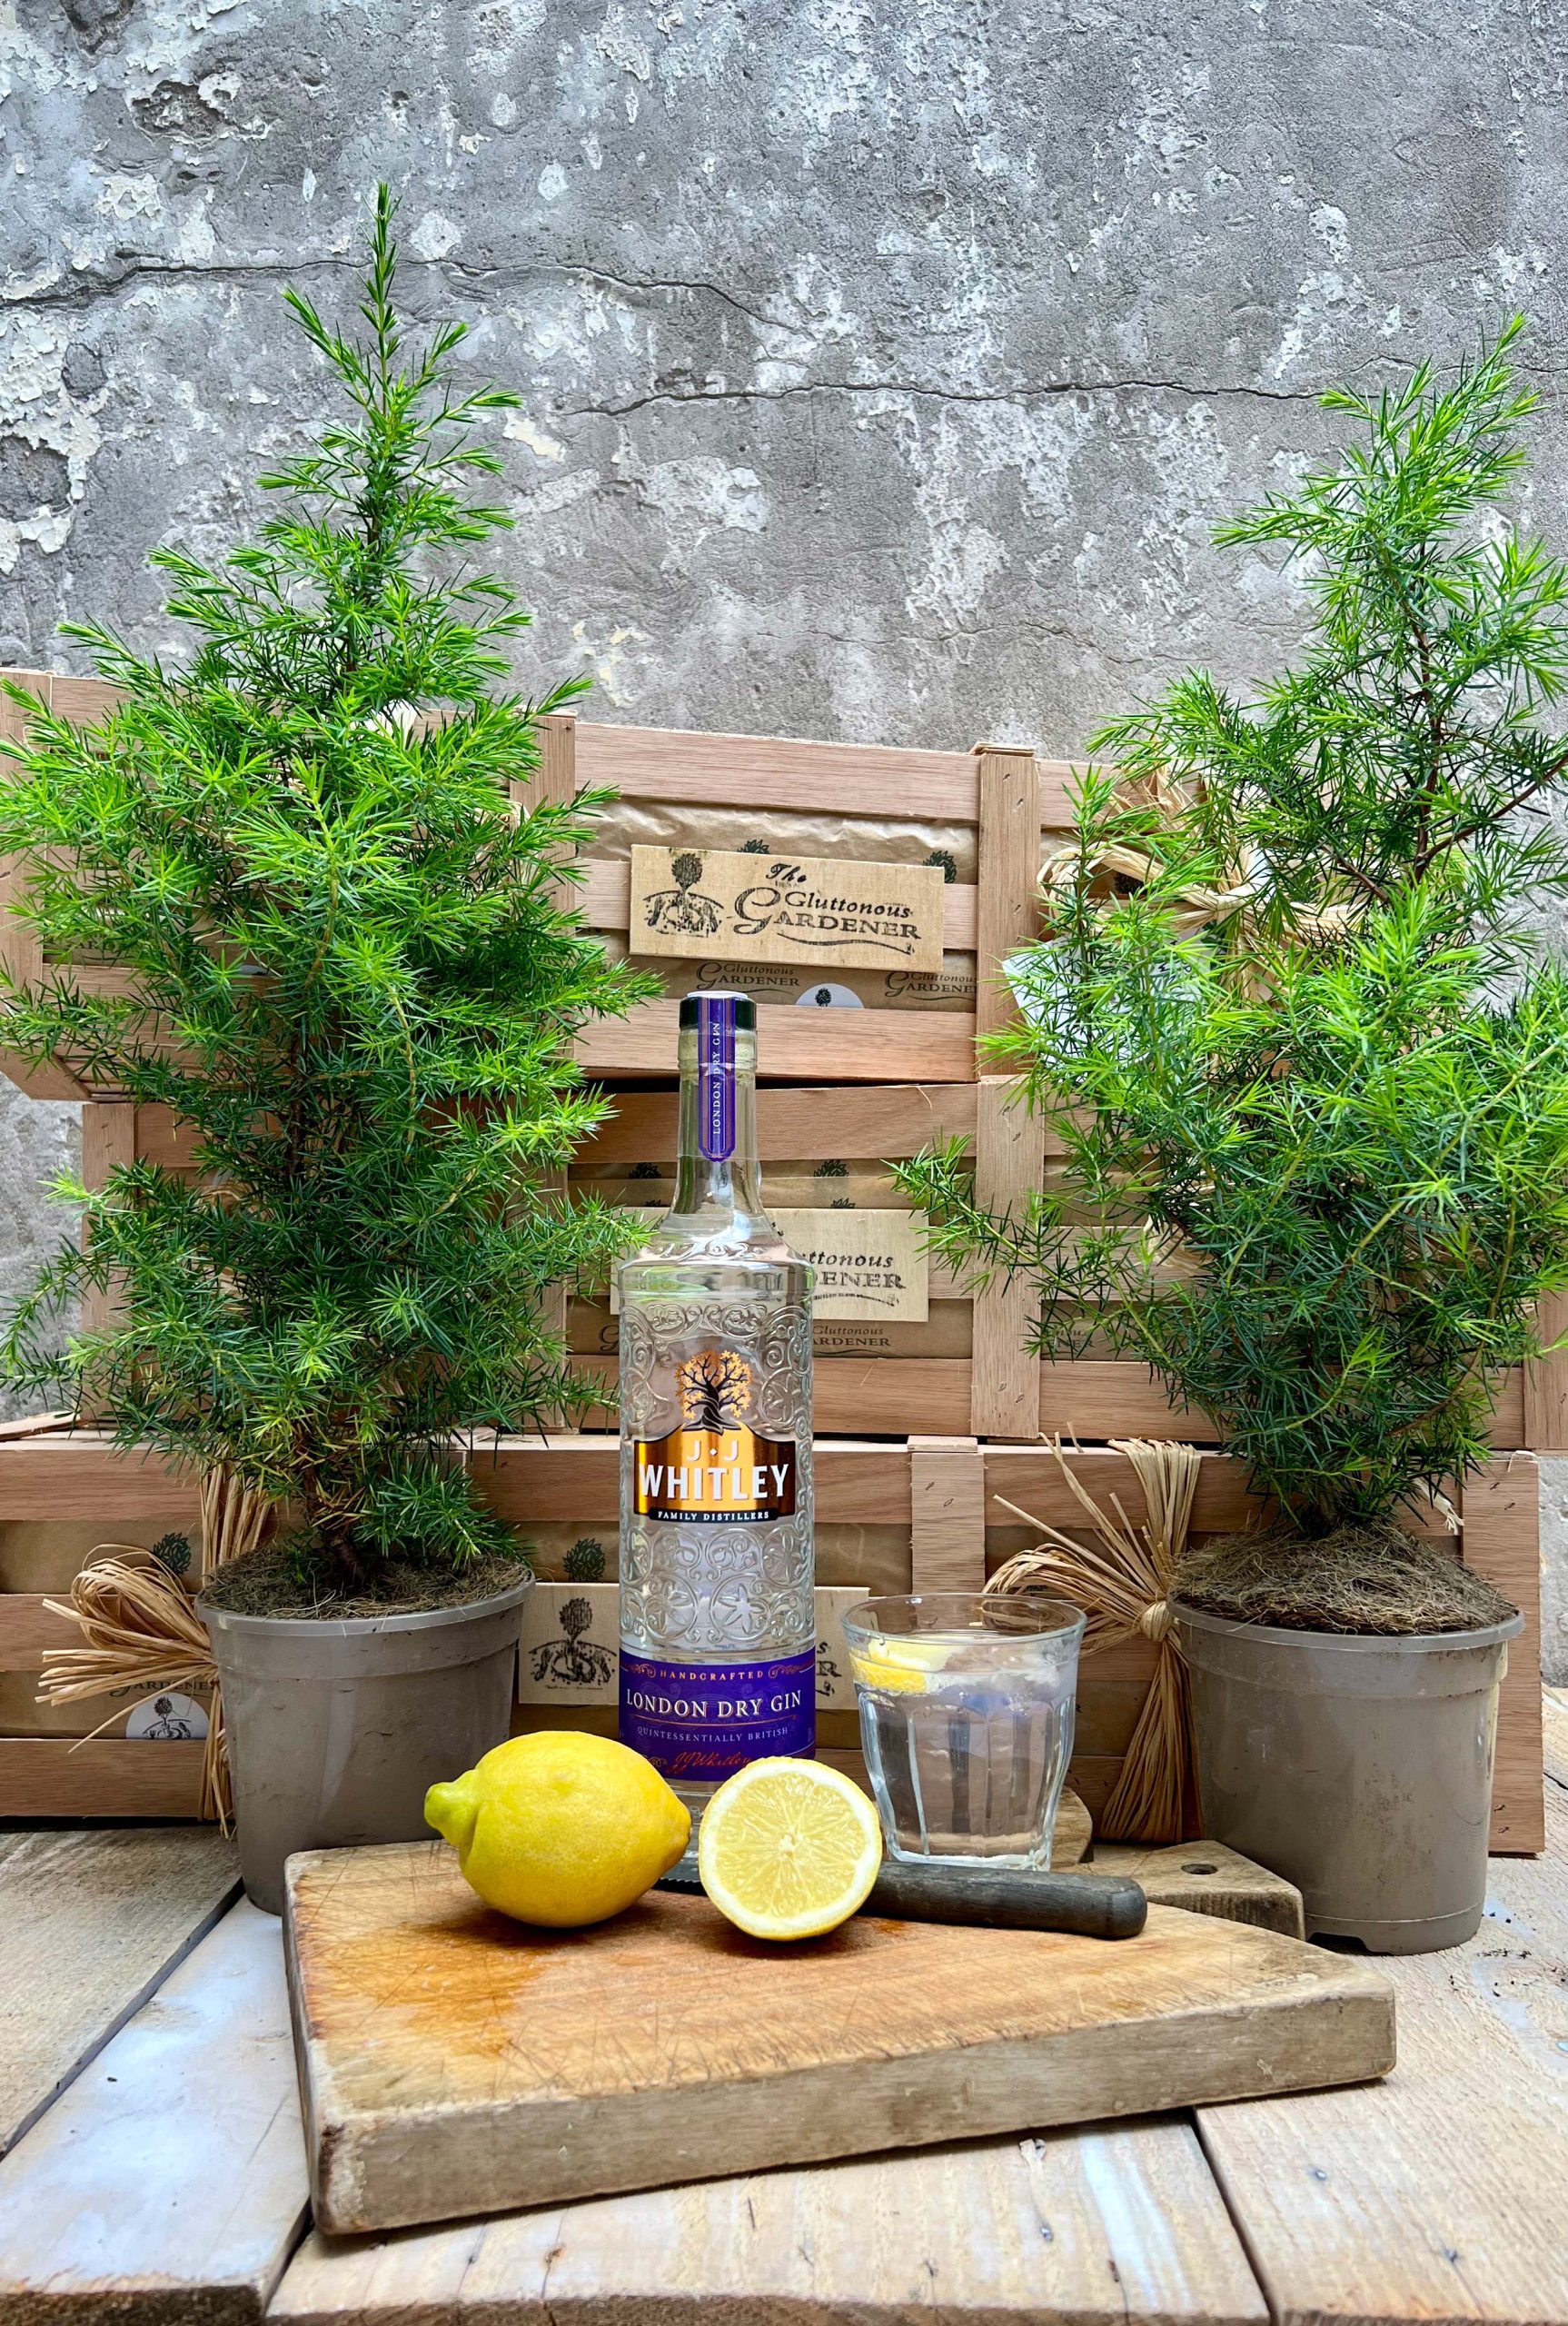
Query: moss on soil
pixel 1374 1579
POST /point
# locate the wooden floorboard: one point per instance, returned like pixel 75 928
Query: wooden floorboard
pixel 1441 2193
pixel 90 1924
pixel 166 2186
pixel 1095 2227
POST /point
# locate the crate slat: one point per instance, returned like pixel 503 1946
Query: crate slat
pixel 884 1119
pixel 27 1629
pixel 802 1045
pixel 1005 1391
pixel 1545 1426
pixel 776 771
pixel 1501 1508
pixel 947 1515
pixel 48 1776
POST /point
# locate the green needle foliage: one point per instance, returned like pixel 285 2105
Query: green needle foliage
pixel 1405 746
pixel 1315 1156
pixel 345 963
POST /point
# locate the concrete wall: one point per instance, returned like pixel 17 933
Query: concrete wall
pixel 887 364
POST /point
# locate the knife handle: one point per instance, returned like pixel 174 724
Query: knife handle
pixel 1085 1905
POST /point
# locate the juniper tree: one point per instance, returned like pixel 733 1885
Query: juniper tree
pixel 1314 1164
pixel 346 964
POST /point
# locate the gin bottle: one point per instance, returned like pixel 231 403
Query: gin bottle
pixel 717 1631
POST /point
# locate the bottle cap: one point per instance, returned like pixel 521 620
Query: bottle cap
pixel 745 1010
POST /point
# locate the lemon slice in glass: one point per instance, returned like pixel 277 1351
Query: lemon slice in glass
pixel 900 1667
pixel 789 1849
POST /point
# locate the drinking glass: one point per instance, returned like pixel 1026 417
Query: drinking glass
pixel 967 1720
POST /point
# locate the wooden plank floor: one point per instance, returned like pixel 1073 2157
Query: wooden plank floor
pixel 166 2185
pixel 1117 2222
pixel 90 1922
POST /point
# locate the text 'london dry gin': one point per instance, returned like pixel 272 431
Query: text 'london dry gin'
pixel 717 1633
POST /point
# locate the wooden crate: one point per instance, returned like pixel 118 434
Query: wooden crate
pixel 848 800
pixel 995 799
pixel 918 1513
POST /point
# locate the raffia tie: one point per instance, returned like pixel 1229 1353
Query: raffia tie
pixel 140 1630
pixel 1124 1590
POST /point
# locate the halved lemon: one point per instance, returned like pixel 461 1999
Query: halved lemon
pixel 789 1849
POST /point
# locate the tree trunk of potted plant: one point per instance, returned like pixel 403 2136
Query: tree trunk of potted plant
pixel 349 969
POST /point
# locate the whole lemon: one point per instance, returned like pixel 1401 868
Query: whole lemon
pixel 561 1828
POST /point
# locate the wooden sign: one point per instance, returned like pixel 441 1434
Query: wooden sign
pixel 572 1645
pixel 871 1266
pixel 723 904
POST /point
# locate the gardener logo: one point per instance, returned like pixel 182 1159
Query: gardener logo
pixel 574 1661
pixel 682 911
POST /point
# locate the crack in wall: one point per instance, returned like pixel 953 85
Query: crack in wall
pixel 1040 393
pixel 106 283
pixel 100 284
pixel 90 283
pixel 83 291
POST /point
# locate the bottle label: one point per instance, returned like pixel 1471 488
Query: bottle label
pixel 716 1076
pixel 714 1467
pixel 730 1477
pixel 701 1722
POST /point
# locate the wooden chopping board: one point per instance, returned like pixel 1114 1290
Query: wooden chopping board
pixel 453 2062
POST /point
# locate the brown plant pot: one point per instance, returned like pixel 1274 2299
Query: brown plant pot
pixel 336 1729
pixel 1359 1768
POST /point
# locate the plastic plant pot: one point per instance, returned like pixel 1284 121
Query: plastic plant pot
pixel 1359 1768
pixel 337 1728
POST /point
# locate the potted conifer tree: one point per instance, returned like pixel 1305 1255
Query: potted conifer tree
pixel 343 960
pixel 1311 1078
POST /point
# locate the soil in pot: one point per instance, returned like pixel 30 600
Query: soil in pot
pixel 287 1577
pixel 1344 1704
pixel 341 1713
pixel 1372 1578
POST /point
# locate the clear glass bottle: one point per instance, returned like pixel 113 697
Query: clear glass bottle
pixel 717 1627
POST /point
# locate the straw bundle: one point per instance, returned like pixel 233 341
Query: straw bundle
pixel 1124 1590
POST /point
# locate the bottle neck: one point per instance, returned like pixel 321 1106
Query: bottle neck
pixel 717 1175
